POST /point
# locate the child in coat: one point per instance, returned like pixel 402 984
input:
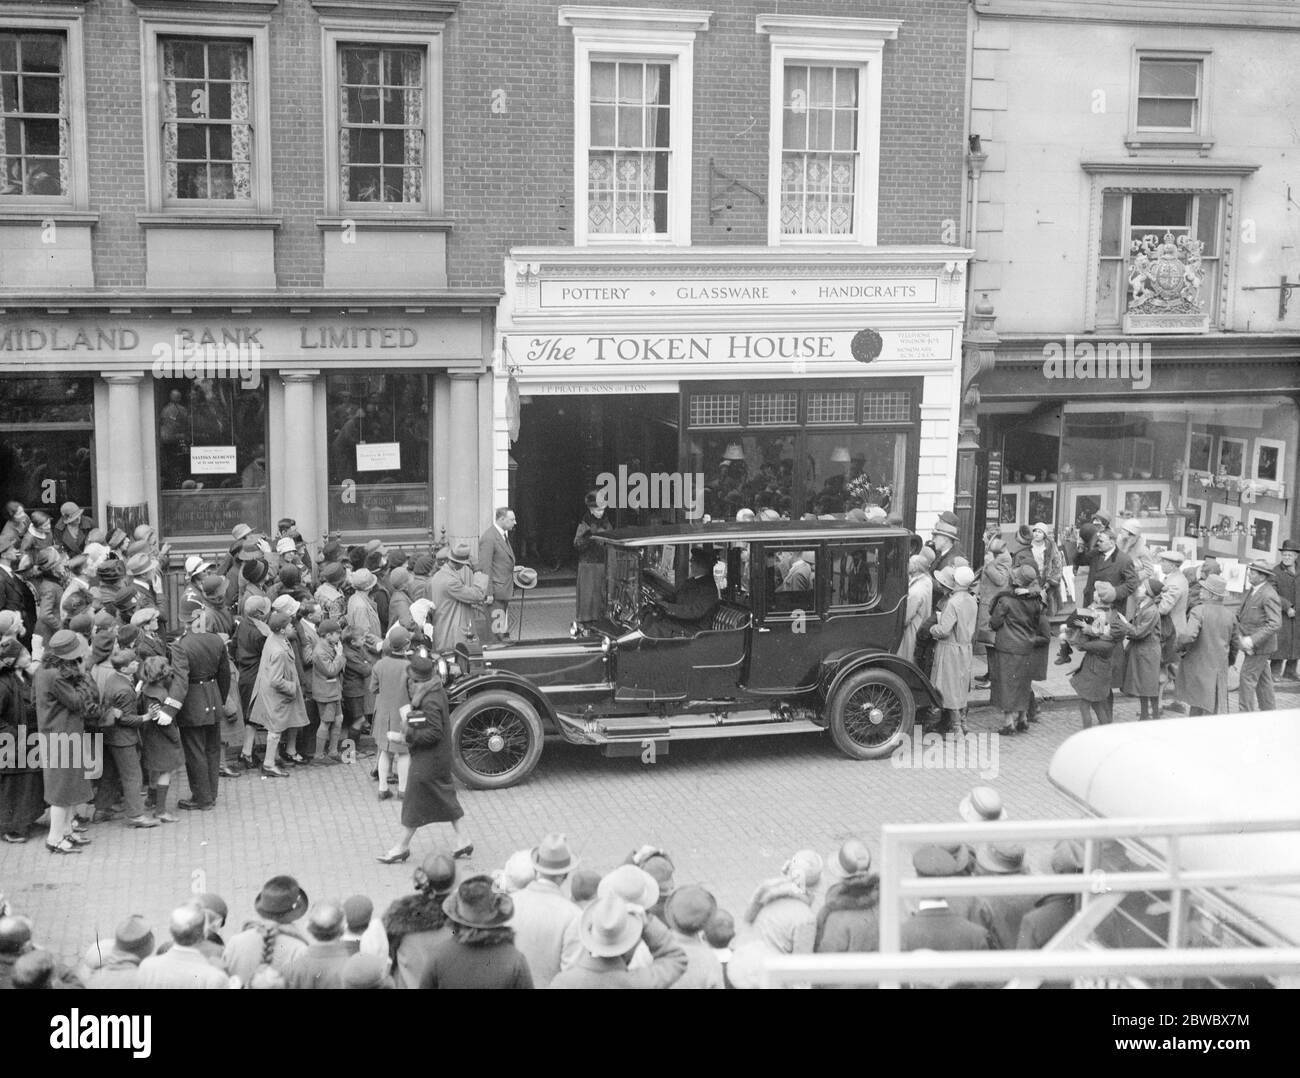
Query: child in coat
pixel 356 679
pixel 328 661
pixel 162 738
pixel 388 683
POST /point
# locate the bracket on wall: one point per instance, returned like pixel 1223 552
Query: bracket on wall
pixel 723 197
pixel 1283 293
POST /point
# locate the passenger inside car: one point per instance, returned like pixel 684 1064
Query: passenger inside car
pixel 691 609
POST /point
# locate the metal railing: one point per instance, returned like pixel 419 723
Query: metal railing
pixel 1101 891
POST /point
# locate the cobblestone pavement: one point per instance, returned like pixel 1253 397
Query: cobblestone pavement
pixel 730 813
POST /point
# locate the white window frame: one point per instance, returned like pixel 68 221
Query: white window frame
pixel 1166 138
pixel 252 28
pixel 77 197
pixel 823 42
pixel 336 34
pixel 636 34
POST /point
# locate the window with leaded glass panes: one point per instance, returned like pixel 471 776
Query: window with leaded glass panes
pixel 820 155
pixel 1130 217
pixel 34 137
pixel 382 123
pixel 207 130
pixel 629 153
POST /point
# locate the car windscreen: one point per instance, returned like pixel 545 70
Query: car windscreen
pixel 622 582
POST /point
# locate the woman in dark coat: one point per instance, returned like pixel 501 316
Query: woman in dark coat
pixel 250 639
pixel 65 698
pixel 1097 638
pixel 591 561
pixel 430 788
pixel 1286 583
pixel 1142 651
pixel 22 792
pixel 1018 619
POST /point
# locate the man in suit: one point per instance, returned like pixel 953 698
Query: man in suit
pixel 195 700
pixel 496 558
pixel 1110 564
pixel 15 594
pixel 935 926
pixel 1258 622
pixel 183 965
pixel 697 598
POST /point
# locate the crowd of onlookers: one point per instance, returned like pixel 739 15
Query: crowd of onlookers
pixel 547 920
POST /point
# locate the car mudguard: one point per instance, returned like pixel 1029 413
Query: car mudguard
pixel 839 665
pixel 462 690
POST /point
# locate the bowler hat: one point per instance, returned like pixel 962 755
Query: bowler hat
pixel 689 908
pixel 850 861
pixel 525 577
pixel 1000 858
pixel 982 805
pixel 609 928
pixel 552 856
pixel 459 554
pixel 1291 545
pixel 631 884
pixel 281 899
pixel 475 904
pixel 65 644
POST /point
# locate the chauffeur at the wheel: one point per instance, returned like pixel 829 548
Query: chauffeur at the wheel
pixel 694 603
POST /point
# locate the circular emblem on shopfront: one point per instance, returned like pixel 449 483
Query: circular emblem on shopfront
pixel 866 345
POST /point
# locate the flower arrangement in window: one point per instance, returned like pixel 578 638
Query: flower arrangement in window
pixel 861 490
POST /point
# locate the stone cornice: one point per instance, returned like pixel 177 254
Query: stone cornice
pixel 633 18
pixel 198 7
pixel 322 302
pixel 1237 14
pixel 840 31
pixel 639 259
pixel 406 10
pixel 1182 166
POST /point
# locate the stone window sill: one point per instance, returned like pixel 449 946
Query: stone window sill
pixel 59 214
pixel 197 220
pixel 390 223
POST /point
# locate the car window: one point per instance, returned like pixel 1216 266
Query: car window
pixel 791 579
pixel 857 573
pixel 735 557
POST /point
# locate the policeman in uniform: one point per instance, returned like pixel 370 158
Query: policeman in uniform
pixel 200 684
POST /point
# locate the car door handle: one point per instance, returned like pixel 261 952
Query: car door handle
pixel 763 630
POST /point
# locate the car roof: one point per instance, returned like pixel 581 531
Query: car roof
pixel 734 532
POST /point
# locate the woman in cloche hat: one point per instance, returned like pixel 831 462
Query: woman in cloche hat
pixel 65 699
pixel 481 952
pixel 591 559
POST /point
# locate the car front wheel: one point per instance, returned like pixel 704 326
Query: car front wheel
pixel 496 740
pixel 870 713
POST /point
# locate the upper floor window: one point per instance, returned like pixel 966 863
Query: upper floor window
pixel 824 144
pixel 1169 105
pixel 207 131
pixel 633 93
pixel 207 114
pixel 35 133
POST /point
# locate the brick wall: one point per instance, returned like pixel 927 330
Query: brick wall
pixel 508 175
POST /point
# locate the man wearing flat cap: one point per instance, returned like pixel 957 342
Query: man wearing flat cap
pixel 935 926
pixel 1258 622
pixel 195 701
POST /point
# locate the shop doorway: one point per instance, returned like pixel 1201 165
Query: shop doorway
pixel 564 443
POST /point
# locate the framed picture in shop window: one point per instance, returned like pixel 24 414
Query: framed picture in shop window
pixel 1200 453
pixel 1232 457
pixel 1009 512
pixel 1223 521
pixel 1084 502
pixel 1199 518
pixel 1145 501
pixel 1262 536
pixel 1040 504
pixel 1270 455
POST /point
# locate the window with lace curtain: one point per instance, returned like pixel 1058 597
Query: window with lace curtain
pixel 382 120
pixel 207 133
pixel 629 152
pixel 819 150
pixel 34 121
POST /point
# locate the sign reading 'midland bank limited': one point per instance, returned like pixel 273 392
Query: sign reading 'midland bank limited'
pixel 683 351
pixel 738 292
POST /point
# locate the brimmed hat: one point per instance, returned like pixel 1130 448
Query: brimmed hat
pixel 333 572
pixel 134 936
pixel 376 546
pixel 981 805
pixel 689 908
pixel 1290 545
pixel 934 861
pixel 214 588
pixel 47 558
pixel 250 551
pixel 195 565
pixel 1130 526
pixel 850 861
pixel 286 604
pixel 443 553
pixel 963 576
pixel 946 578
pixel 144 615
pixel 70 511
pixel 1175 556
pixel 398 637
pixel 525 578
pixel 631 884
pixel 1103 516
pixel 608 927
pixel 254 572
pixel 361 580
pixel 460 554
pixel 944 528
pixel 138 564
pixel 65 644
pixel 1259 565
pixel 1000 858
pixel 116 538
pixel 257 606
pixel 475 904
pixel 1039 526
pixel 240 531
pixel 285 545
pixel 281 899
pixel 1215 585
pixel 552 856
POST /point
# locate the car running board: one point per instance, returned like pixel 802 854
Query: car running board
pixel 634 731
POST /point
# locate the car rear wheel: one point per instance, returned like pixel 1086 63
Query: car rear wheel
pixel 496 740
pixel 870 713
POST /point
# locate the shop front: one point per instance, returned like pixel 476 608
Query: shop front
pixel 1199 449
pixel 797 382
pixel 361 420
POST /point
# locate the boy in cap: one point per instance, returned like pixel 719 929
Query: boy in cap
pixel 327 666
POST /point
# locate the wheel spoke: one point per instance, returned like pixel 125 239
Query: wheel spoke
pixel 476 737
pixel 858 724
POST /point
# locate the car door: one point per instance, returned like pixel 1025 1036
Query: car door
pixel 786 581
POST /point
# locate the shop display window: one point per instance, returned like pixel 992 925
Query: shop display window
pixel 47 434
pixel 378 451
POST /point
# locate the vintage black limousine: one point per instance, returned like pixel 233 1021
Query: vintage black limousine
pixel 801 638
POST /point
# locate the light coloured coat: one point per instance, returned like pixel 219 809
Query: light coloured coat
pixel 277 693
pixel 546 929
pixel 954 633
pixel 1203 673
pixel 456 592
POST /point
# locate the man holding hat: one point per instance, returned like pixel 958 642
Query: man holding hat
pixel 1258 622
pixel 1210 644
pixel 610 931
pixel 195 700
pixel 496 557
pixel 457 591
pixel 71 529
pixel 1285 583
pixel 1109 564
pixel 546 921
